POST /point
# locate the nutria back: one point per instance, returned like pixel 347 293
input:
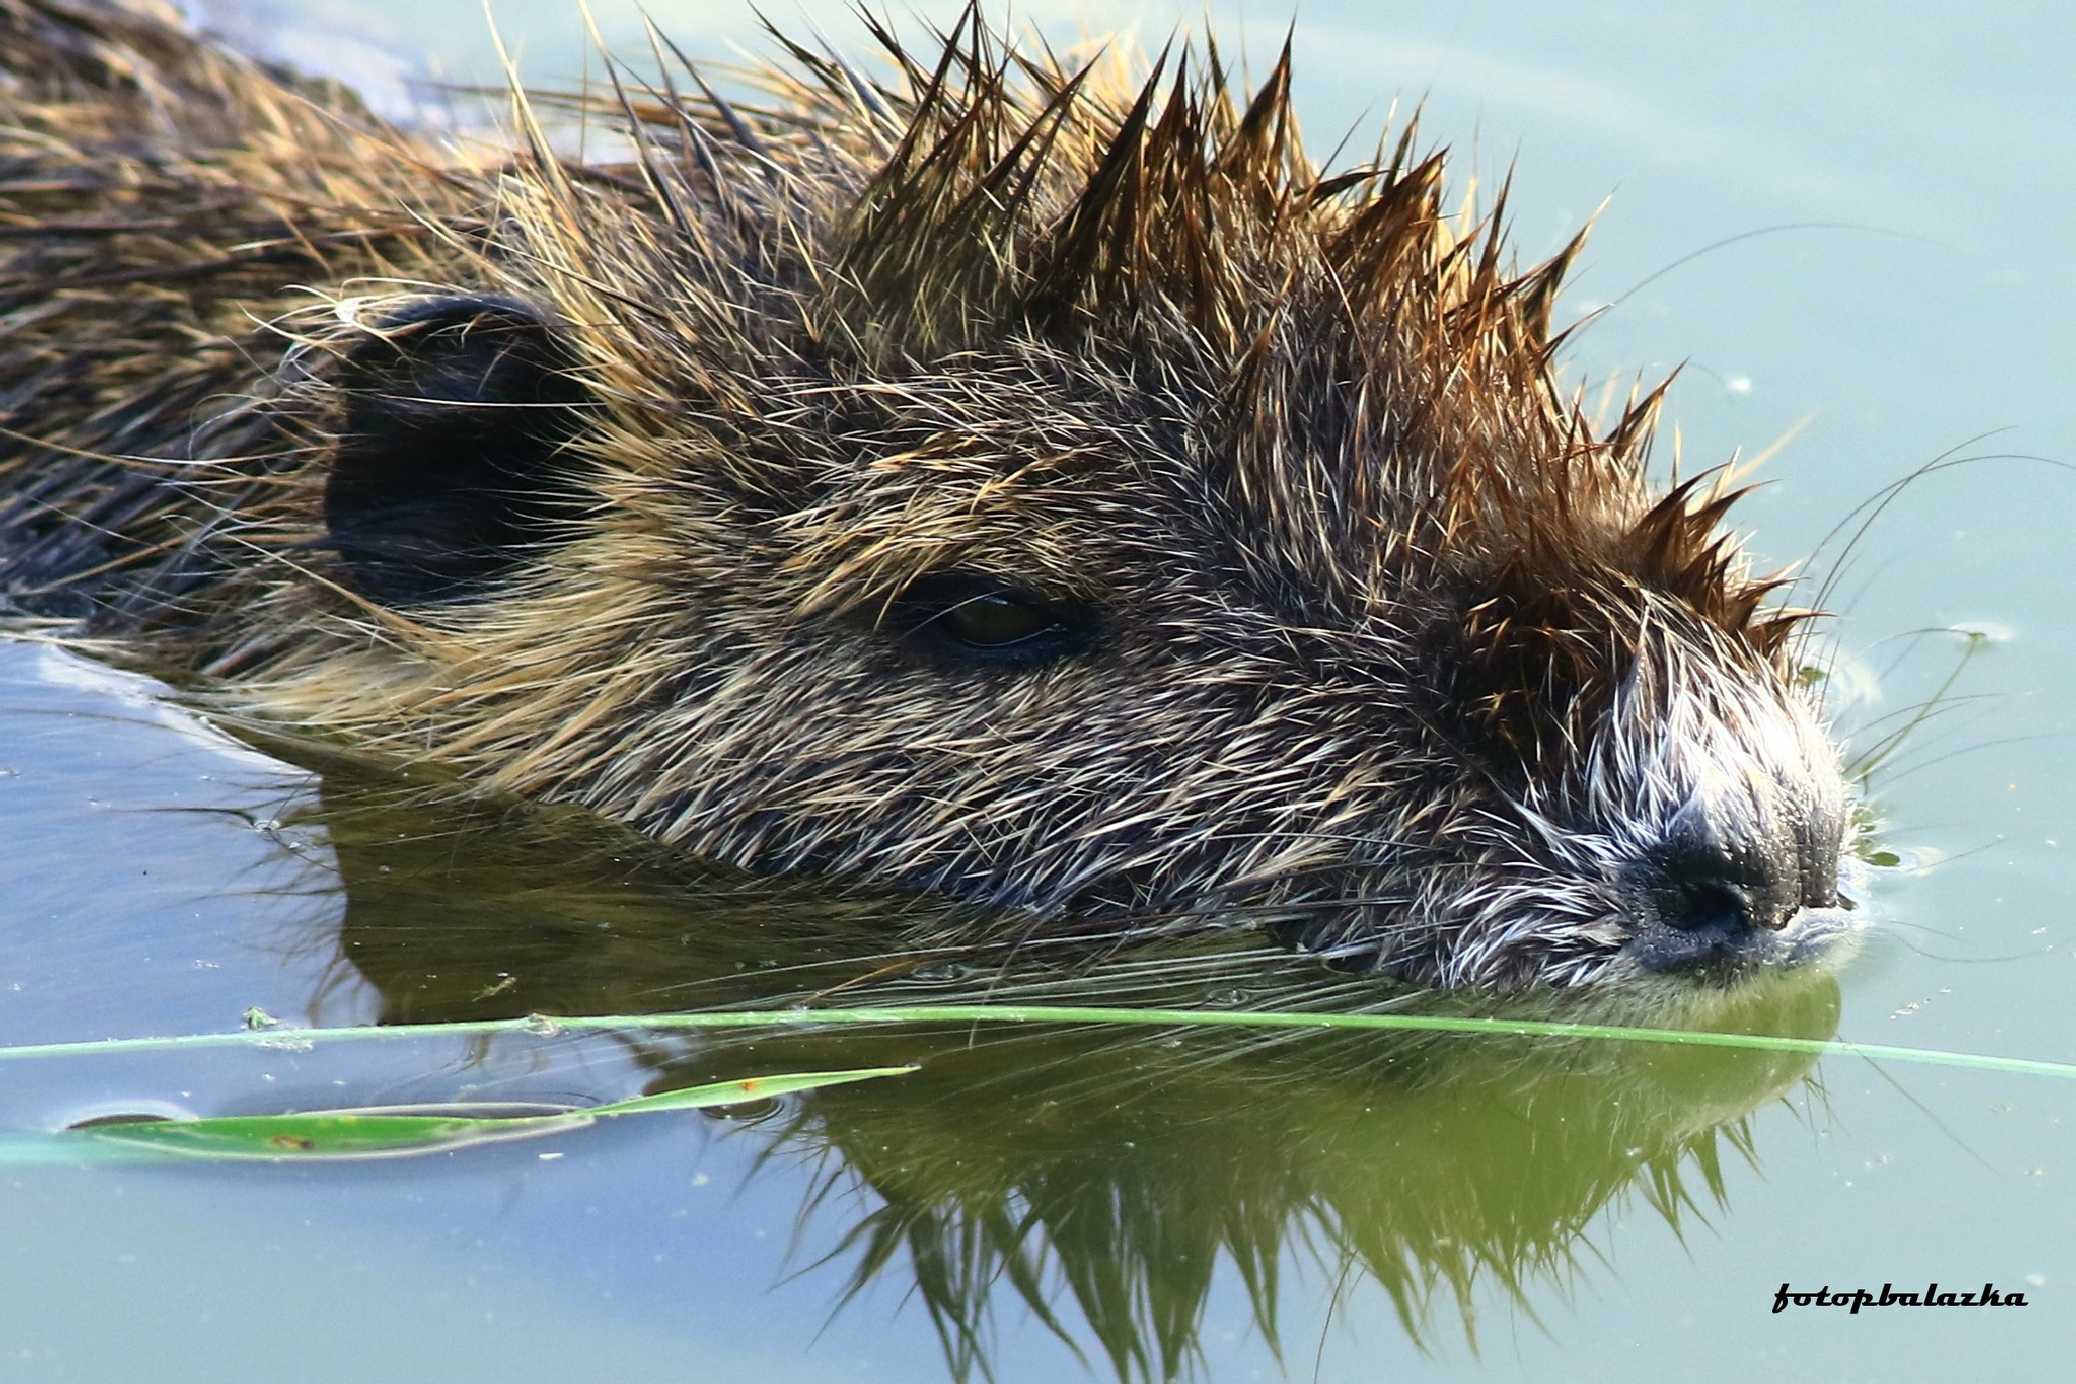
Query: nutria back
pixel 962 474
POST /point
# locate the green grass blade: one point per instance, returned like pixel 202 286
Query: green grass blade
pixel 330 1135
pixel 735 1092
pixel 316 1136
pixel 806 1018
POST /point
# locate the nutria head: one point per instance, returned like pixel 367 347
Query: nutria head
pixel 983 485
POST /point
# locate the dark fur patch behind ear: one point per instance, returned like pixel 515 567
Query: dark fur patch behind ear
pixel 452 464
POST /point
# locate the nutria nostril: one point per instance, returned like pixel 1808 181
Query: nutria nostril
pixel 1700 903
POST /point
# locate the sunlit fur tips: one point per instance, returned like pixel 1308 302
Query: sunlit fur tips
pixel 638 483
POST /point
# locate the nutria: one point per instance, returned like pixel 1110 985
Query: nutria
pixel 965 475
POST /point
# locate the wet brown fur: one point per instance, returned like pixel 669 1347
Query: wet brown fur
pixel 1366 568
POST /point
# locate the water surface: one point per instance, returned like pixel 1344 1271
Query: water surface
pixel 1072 1205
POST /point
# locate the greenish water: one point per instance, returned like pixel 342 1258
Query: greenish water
pixel 1048 1206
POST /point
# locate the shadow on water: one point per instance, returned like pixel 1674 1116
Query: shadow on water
pixel 1096 1179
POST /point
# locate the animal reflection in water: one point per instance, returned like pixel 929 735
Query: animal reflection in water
pixel 1096 1178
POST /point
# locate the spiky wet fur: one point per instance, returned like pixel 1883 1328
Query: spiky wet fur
pixel 1398 653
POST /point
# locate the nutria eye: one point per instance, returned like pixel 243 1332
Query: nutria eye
pixel 994 620
pixel 978 617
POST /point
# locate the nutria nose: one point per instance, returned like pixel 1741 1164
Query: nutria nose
pixel 1709 888
pixel 1726 872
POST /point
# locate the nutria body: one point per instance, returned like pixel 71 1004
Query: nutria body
pixel 961 479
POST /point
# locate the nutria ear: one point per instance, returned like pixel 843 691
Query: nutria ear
pixel 452 464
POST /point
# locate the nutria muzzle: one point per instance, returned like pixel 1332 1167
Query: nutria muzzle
pixel 1738 887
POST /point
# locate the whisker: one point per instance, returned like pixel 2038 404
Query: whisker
pixel 1899 774
pixel 1875 505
